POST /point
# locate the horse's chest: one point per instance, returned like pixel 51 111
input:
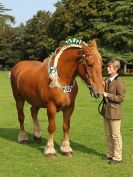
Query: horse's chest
pixel 63 101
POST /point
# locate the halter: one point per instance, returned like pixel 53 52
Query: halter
pixel 53 73
pixel 83 61
pixel 88 81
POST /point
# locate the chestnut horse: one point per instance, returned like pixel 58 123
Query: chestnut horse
pixel 51 84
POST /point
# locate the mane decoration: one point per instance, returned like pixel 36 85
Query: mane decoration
pixel 51 54
pixel 73 41
pixel 52 70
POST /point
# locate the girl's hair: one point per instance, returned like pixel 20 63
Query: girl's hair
pixel 115 63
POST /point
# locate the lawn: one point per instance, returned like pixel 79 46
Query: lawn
pixel 86 135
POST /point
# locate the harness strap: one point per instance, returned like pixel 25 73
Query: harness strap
pixel 68 88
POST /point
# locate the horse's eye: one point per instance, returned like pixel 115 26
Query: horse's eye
pixel 90 65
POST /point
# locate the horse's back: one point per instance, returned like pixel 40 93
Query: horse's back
pixel 25 66
pixel 25 70
pixel 25 76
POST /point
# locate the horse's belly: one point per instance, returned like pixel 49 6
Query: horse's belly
pixel 30 93
pixel 31 98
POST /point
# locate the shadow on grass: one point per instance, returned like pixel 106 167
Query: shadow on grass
pixel 82 148
pixel 11 134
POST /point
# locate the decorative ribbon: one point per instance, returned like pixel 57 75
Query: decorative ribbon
pixel 52 71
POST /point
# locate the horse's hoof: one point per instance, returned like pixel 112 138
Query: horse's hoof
pixel 23 142
pixel 51 156
pixel 68 154
pixel 37 140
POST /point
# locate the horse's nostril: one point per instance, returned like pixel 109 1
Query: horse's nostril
pixel 98 95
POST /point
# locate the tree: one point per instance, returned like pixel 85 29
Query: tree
pixel 37 42
pixel 109 21
pixel 75 18
pixel 18 45
pixel 4 18
pixel 6 34
pixel 115 32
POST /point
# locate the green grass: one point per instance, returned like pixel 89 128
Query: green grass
pixel 86 135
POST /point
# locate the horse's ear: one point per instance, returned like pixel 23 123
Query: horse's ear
pixel 85 47
pixel 93 43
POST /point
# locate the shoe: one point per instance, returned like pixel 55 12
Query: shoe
pixel 114 161
pixel 106 158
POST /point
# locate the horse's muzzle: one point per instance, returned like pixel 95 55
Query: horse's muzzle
pixel 94 92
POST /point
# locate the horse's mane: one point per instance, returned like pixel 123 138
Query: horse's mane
pixel 94 51
pixel 62 50
pixel 70 43
pixel 76 43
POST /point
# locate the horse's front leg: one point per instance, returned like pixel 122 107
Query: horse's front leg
pixel 65 147
pixel 51 111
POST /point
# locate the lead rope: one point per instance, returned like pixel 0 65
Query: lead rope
pixel 99 107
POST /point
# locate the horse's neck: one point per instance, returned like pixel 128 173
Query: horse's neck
pixel 81 71
pixel 67 70
pixel 65 64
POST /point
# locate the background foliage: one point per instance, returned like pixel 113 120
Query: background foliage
pixel 109 21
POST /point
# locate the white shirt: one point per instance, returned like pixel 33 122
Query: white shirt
pixel 112 78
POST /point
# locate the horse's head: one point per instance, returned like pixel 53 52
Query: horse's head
pixel 90 68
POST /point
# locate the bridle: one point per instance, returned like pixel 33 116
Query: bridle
pixel 88 82
pixel 83 61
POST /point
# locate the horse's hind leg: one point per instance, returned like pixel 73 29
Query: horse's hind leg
pixel 22 138
pixel 36 126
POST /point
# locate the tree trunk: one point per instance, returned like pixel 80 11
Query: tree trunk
pixel 125 69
